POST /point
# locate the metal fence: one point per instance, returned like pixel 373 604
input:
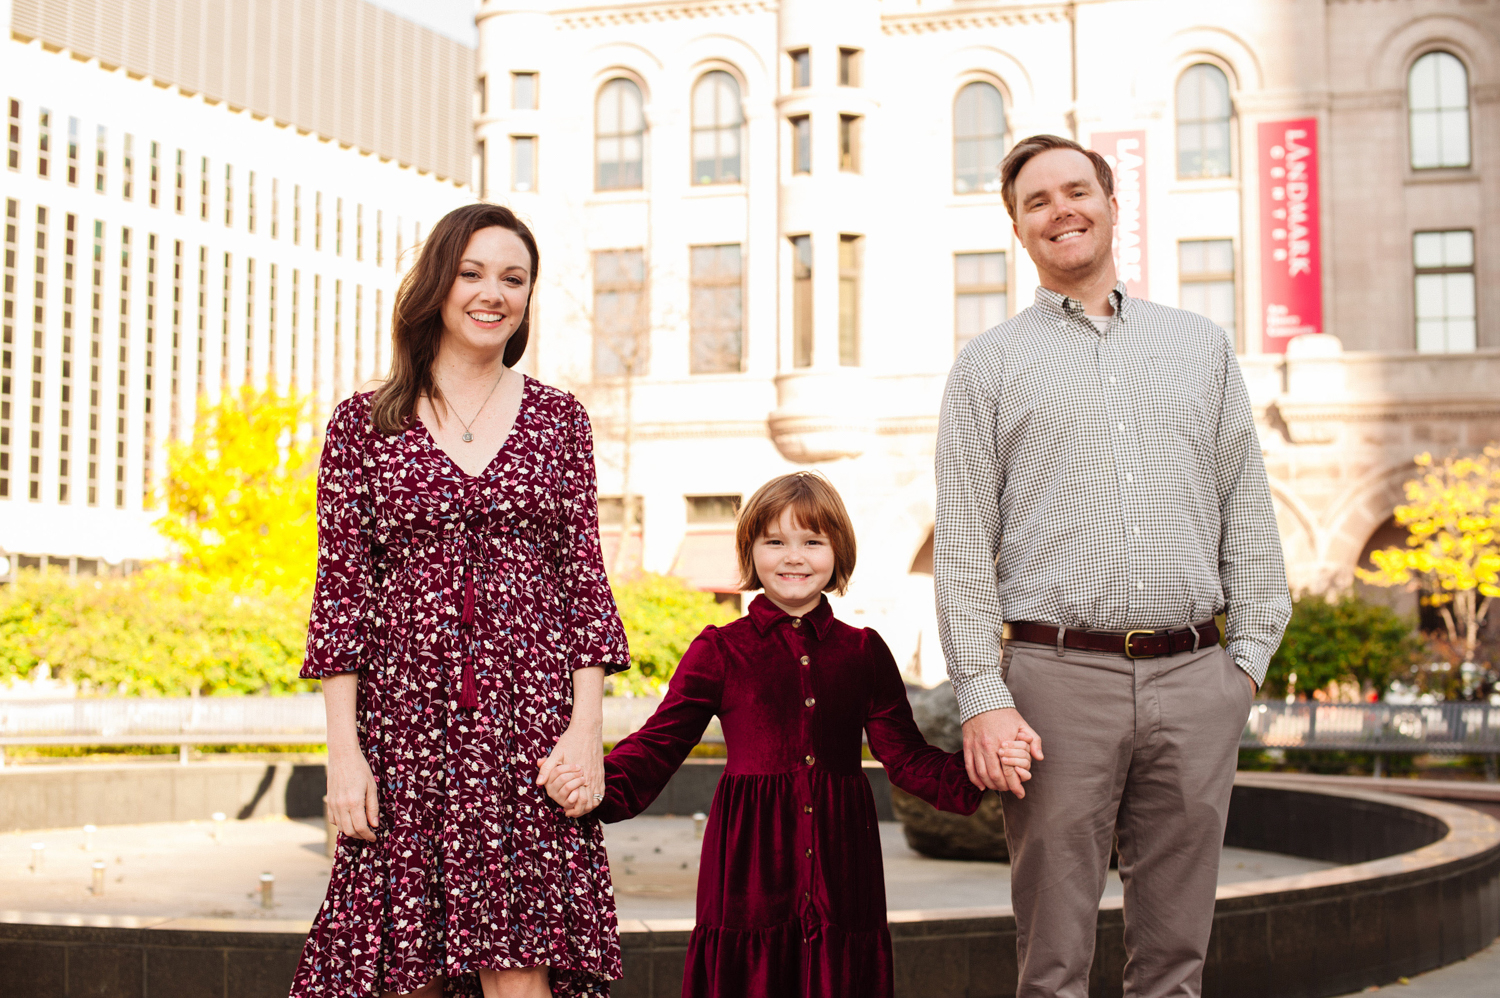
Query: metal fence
pixel 1452 728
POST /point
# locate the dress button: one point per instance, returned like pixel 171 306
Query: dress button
pixel 810 760
pixel 809 701
pixel 804 660
pixel 807 808
pixel 809 854
pixel 797 622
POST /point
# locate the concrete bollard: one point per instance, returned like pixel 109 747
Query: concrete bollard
pixel 267 890
pixel 88 837
pixel 219 818
pixel 700 821
pixel 38 850
pixel 98 887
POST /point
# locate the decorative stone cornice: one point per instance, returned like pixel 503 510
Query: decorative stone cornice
pixel 656 13
pixel 922 24
pixel 1318 422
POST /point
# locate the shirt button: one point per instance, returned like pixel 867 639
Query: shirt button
pixel 804 660
pixel 1111 379
pixel 1135 530
pixel 1122 427
pixel 810 760
pixel 809 701
pixel 1140 585
pixel 1129 477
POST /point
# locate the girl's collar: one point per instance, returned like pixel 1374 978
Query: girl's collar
pixel 764 614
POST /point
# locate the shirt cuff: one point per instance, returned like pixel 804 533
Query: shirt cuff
pixel 1252 658
pixel 982 692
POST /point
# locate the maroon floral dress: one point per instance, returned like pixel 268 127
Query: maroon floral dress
pixel 464 603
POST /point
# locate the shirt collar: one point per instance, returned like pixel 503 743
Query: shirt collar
pixel 1060 304
pixel 764 614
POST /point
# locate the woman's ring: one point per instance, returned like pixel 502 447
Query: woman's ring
pixel 598 797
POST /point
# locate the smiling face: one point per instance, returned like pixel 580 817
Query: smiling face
pixel 487 301
pixel 794 564
pixel 1063 218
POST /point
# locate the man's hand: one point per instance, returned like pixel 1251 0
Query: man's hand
pixel 991 741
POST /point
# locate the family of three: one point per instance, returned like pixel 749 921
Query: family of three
pixel 1100 498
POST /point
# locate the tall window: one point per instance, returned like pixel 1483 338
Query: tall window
pixel 73 152
pixel 851 249
pixel 717 122
pixel 13 136
pixel 523 91
pixel 850 127
pixel 1203 114
pixel 523 162
pixel 717 319
pixel 979 295
pixel 1205 274
pixel 100 148
pixel 801 143
pixel 481 168
pixel 619 137
pixel 802 316
pixel 1437 93
pixel 849 67
pixel 978 138
pixel 621 328
pixel 801 67
pixel 1444 291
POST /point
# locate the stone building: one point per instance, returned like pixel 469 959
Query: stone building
pixel 767 228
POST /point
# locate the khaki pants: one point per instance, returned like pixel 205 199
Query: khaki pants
pixel 1144 749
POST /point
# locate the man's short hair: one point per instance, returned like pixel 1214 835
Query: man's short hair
pixel 1022 152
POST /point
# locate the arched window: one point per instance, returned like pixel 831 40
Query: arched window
pixel 1203 114
pixel 1437 93
pixel 717 121
pixel 978 138
pixel 619 137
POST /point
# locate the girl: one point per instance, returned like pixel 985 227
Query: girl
pixel 462 626
pixel 791 895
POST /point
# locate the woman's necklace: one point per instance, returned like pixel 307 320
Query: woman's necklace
pixel 468 436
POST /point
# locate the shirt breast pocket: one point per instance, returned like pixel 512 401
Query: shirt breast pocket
pixel 1175 400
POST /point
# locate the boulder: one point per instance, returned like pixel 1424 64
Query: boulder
pixel 940 834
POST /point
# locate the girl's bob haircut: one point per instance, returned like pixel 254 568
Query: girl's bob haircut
pixel 815 506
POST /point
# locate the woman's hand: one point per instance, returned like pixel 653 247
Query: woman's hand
pixel 577 764
pixel 353 800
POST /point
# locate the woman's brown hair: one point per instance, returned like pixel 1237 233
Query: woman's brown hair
pixel 815 506
pixel 417 316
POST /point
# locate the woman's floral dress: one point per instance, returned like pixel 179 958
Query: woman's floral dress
pixel 465 603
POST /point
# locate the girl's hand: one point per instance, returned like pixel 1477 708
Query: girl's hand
pixel 1016 757
pixel 566 788
pixel 353 799
pixel 581 749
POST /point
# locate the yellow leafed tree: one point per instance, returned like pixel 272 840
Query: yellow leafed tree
pixel 241 499
pixel 1452 516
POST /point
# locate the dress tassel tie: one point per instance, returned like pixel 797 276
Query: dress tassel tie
pixel 468 698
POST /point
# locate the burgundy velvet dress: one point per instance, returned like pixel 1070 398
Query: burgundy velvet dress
pixel 464 603
pixel 791 891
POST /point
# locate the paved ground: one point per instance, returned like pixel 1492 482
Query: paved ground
pixel 1476 977
pixel 192 870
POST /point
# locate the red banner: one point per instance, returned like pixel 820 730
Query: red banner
pixel 1126 152
pixel 1291 272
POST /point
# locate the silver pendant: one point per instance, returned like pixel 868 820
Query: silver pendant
pixel 468 437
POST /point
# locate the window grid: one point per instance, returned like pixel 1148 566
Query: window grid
pixel 980 294
pixel 802 301
pixel 1444 291
pixel 174 405
pixel 201 354
pixel 620 137
pixel 716 311
pixel 13 136
pixel 38 357
pixel 127 169
pixel 43 143
pixel 250 201
pixel 203 191
pixel 978 138
pixel 181 184
pixel 100 147
pixel 148 400
pixel 8 341
pixel 224 316
pixel 122 371
pixel 72 152
pixel 1204 116
pixel 718 121
pixel 154 176
pixel 68 380
pixel 96 359
pixel 1438 107
pixel 1205 274
pixel 851 251
pixel 249 317
pixel 228 195
pixel 621 344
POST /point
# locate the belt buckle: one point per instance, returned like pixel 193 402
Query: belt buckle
pixel 1128 636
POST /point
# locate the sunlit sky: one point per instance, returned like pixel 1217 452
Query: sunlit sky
pixel 453 18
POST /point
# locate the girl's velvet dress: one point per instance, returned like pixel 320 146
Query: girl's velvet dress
pixel 791 892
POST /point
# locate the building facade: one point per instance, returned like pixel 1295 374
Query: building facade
pixel 197 197
pixel 768 227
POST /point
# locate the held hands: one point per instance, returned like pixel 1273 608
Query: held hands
pixel 998 748
pixel 353 799
pixel 574 773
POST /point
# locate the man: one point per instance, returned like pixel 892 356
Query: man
pixel 1101 497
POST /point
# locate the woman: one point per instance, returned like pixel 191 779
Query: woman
pixel 462 626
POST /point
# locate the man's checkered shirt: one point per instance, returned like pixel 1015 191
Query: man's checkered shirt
pixel 1105 481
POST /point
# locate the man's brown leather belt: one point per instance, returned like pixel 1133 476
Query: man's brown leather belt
pixel 1131 644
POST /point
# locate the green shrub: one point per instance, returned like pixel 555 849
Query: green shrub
pixel 662 616
pixel 1341 640
pixel 161 633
